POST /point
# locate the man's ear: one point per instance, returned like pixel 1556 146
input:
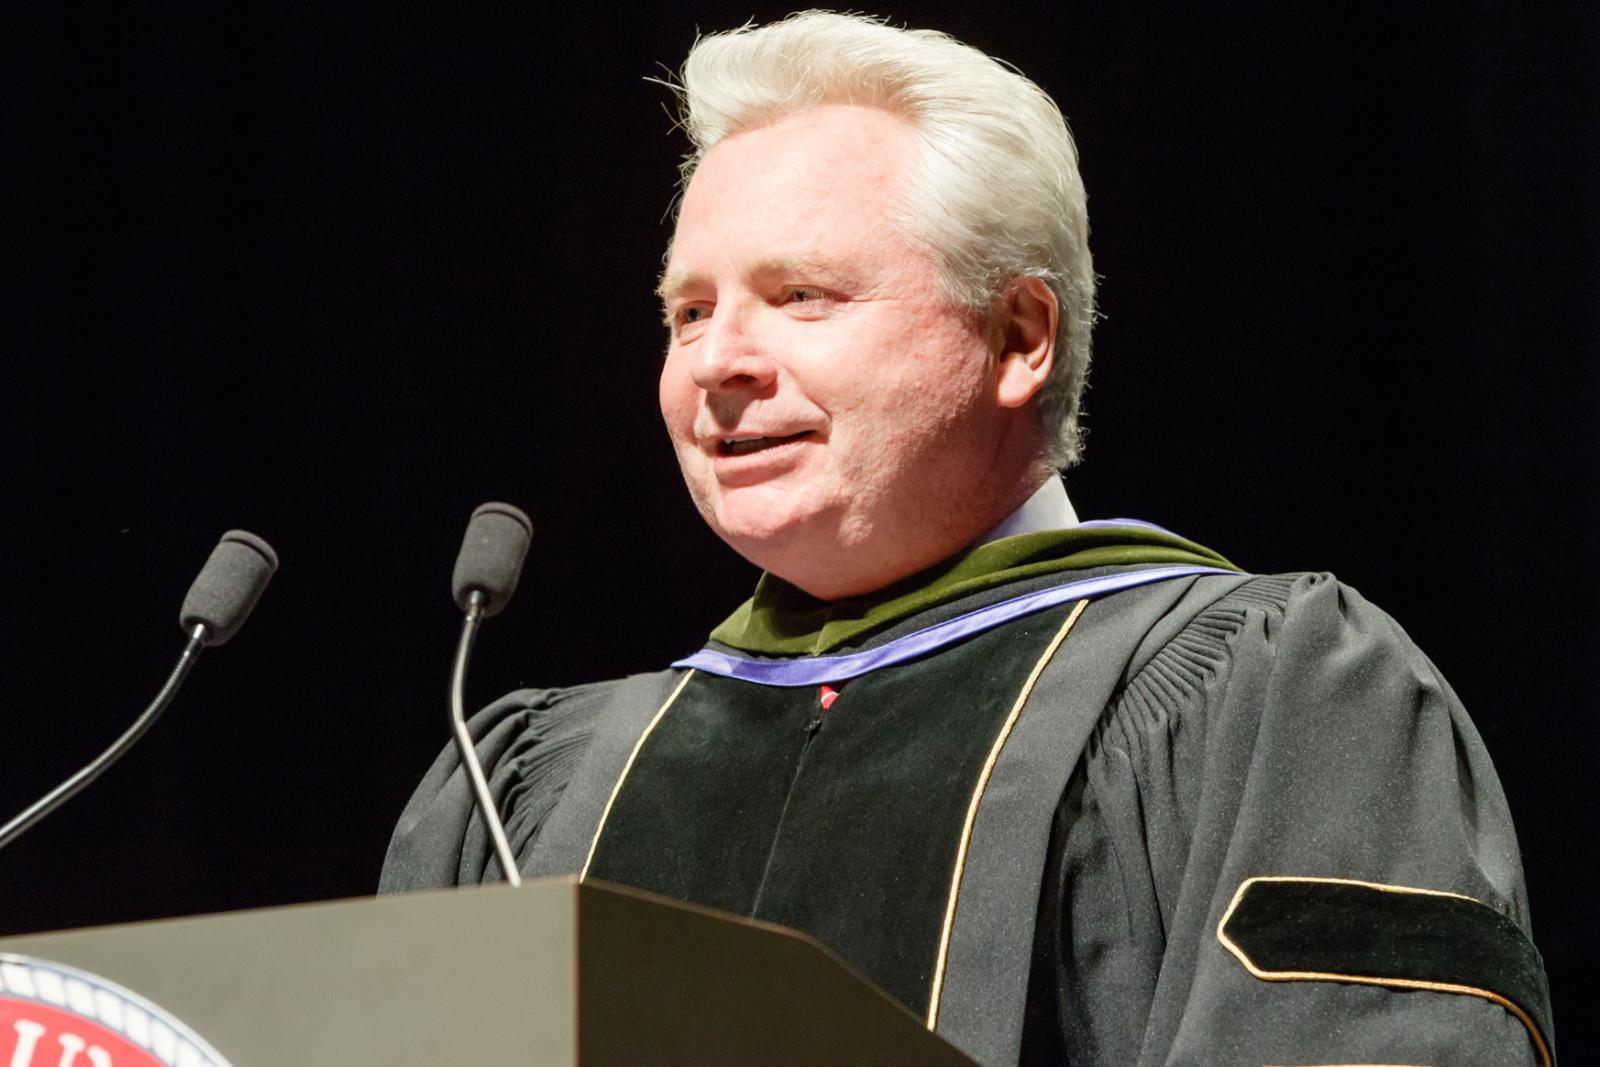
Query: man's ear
pixel 1025 332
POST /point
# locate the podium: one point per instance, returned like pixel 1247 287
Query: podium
pixel 554 973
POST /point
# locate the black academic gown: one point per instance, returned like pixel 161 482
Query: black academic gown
pixel 1211 819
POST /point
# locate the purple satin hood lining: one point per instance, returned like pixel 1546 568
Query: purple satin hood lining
pixel 1096 524
pixel 816 670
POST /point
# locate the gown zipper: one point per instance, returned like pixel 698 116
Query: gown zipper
pixel 825 700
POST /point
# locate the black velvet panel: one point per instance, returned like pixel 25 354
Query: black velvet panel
pixel 696 815
pixel 845 823
pixel 1352 930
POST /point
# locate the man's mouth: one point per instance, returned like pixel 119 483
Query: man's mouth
pixel 729 446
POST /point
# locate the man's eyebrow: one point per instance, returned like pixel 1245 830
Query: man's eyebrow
pixel 674 282
pixel 800 268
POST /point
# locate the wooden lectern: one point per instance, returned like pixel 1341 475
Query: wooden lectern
pixel 556 973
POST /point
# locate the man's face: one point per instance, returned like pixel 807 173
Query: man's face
pixel 834 419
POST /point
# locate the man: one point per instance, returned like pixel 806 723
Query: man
pixel 1072 792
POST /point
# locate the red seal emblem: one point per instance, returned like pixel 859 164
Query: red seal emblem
pixel 56 1016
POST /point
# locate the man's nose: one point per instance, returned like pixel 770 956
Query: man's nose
pixel 731 357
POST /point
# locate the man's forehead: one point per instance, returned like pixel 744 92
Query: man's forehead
pixel 831 134
pixel 800 158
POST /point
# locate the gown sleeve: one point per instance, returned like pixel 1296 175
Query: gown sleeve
pixel 530 743
pixel 1232 872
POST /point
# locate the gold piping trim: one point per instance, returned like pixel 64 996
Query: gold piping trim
pixel 626 767
pixel 1358 979
pixel 972 809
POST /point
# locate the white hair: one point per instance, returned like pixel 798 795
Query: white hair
pixel 993 192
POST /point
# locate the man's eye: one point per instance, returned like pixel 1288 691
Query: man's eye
pixel 804 295
pixel 692 314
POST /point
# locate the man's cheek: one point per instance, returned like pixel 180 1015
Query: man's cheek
pixel 672 390
pixel 678 412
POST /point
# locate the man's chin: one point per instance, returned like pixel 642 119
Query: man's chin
pixel 769 537
pixel 753 539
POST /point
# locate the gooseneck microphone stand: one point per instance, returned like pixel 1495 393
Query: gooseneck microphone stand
pixel 220 599
pixel 98 766
pixel 464 745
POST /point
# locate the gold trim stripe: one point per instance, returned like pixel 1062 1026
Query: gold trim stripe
pixel 626 767
pixel 972 809
pixel 1360 979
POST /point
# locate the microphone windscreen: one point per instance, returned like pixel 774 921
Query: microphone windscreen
pixel 228 585
pixel 491 555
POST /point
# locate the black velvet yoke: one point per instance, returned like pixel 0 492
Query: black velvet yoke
pixel 843 823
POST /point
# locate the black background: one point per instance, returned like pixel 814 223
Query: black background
pixel 337 277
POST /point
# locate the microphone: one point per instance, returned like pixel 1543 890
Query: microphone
pixel 228 586
pixel 217 604
pixel 491 556
pixel 486 573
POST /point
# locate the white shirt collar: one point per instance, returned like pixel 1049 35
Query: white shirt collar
pixel 1047 509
